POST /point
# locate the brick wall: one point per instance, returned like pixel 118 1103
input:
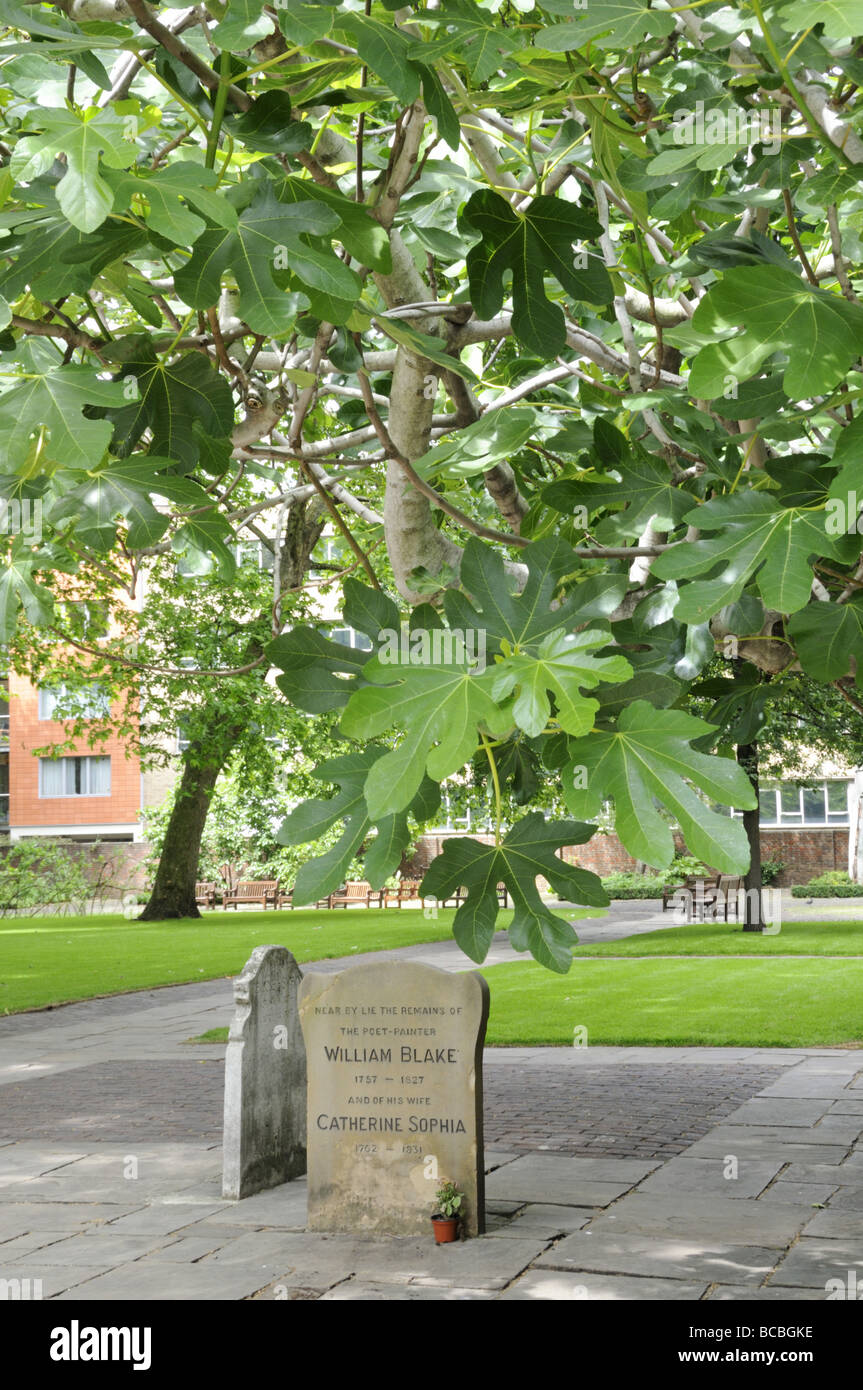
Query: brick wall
pixel 805 853
pixel 118 865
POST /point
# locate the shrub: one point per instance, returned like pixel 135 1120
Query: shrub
pixel 834 883
pixel 684 866
pixel 770 870
pixel 630 885
pixel 37 874
pixel 623 885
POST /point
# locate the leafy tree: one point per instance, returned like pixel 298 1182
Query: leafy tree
pixel 578 286
pixel 189 663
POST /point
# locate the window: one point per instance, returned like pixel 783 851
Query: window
pixel 837 803
pixel 74 777
pixel 4 792
pixel 349 637
pixel 788 805
pixel 257 553
pixel 62 702
pixel 4 711
pixel 767 814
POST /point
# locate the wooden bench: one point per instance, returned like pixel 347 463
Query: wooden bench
pixel 409 889
pixel 460 895
pixel 723 896
pixel 287 900
pixel 205 893
pixel 689 885
pixel 262 890
pixel 402 892
pixel 360 892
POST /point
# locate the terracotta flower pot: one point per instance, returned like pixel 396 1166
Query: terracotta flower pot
pixel 445 1229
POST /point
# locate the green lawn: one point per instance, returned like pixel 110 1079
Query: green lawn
pixel 743 1002
pixel 710 1003
pixel 52 960
pixel 728 939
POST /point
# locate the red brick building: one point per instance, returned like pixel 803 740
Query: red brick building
pixel 86 793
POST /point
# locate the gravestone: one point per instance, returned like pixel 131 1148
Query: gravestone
pixel 395 1096
pixel 265 1077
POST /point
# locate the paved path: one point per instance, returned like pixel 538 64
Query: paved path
pixel 614 1173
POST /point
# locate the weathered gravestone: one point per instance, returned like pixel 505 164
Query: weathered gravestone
pixel 265 1077
pixel 395 1096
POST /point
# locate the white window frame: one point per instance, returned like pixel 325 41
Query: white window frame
pixel 87 774
pixel 50 695
pixel 791 820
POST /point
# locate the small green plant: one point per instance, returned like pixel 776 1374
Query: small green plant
pixel 448 1199
pixel 771 869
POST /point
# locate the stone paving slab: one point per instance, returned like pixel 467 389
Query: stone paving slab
pixel 707 1177
pixel 160 1220
pixel 837 1174
pixel 283 1208
pixel 310 1260
pixel 187 1249
pixel 797 1113
pixel 854 1162
pixel 22 1217
pixel 56 1280
pixel 693 1218
pixel 32 1160
pixel 141 1282
pixel 814 1260
pixel 572 1182
pixel 100 1247
pixel 355 1290
pixel 740 1293
pixel 544 1220
pixel 840 1129
pixel 806 1085
pixel 596 1288
pixel 29 1244
pixel 847 1199
pixel 836 1223
pixel 790 1144
pixel 804 1194
pixel 671 1258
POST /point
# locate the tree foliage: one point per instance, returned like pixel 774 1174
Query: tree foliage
pixel 575 290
